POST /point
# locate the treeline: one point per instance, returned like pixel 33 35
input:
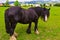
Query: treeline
pixel 57 4
pixel 16 3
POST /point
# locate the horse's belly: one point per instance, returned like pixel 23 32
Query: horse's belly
pixel 24 22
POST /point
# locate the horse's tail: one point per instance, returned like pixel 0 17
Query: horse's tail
pixel 7 23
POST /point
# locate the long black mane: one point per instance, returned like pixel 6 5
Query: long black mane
pixel 40 10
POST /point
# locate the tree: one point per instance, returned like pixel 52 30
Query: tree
pixel 7 3
pixel 16 3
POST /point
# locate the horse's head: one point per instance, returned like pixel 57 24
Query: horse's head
pixel 45 14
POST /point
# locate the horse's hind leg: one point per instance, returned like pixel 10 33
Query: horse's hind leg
pixel 9 28
pixel 29 28
pixel 13 35
pixel 35 28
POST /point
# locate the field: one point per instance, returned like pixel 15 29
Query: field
pixel 49 30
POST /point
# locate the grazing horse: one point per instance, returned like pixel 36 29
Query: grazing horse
pixel 13 15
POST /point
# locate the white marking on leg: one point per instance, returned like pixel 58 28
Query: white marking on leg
pixel 45 17
pixel 37 32
pixel 15 34
pixel 12 37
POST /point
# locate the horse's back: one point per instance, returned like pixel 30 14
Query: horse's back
pixel 13 13
pixel 13 10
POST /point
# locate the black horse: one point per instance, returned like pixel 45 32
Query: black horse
pixel 13 15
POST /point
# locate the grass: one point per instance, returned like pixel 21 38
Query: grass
pixel 49 30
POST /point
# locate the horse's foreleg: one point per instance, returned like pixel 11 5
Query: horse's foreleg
pixel 29 28
pixel 35 28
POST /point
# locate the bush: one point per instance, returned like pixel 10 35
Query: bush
pixel 57 4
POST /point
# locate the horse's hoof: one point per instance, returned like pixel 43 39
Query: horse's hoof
pixel 13 38
pixel 36 32
pixel 15 34
pixel 28 31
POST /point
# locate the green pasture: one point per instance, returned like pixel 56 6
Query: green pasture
pixel 49 30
